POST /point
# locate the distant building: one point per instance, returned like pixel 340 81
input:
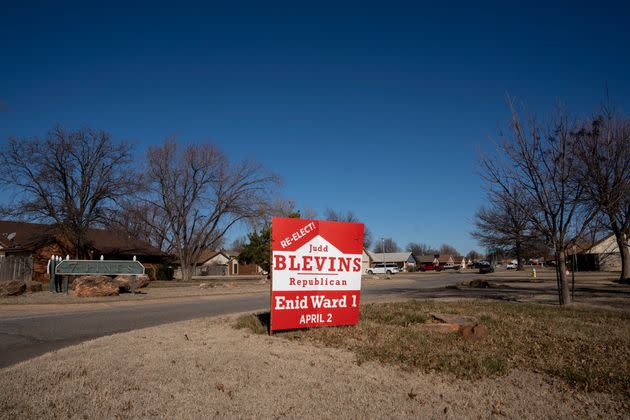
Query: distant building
pixel 224 263
pixel 41 241
pixel 426 259
pixel 404 260
pixel 366 261
pixel 449 261
pixel 603 255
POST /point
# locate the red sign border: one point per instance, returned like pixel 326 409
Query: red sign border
pixel 271 249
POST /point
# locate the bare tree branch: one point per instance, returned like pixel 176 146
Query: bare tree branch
pixel 539 162
pixel 603 149
pixel 74 179
pixel 199 196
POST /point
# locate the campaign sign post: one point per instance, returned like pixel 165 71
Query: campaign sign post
pixel 316 273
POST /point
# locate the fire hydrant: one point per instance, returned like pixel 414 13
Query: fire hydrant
pixel 533 273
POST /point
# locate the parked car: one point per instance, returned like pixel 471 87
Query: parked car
pixel 383 268
pixel 486 268
pixel 511 266
pixel 451 266
pixel 431 267
pixel 479 264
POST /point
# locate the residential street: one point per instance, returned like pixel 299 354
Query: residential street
pixel 27 331
pixel 25 334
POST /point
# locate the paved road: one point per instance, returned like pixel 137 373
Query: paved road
pixel 26 335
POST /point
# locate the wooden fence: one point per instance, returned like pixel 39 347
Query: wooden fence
pixel 16 267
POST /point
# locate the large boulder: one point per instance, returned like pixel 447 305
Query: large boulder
pixel 12 287
pixel 124 282
pixel 90 286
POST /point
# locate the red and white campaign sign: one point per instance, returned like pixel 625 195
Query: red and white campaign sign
pixel 316 273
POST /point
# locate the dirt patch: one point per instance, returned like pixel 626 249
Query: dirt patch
pixel 206 368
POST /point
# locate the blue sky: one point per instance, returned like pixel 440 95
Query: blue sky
pixel 378 108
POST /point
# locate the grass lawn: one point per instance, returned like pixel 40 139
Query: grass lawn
pixel 587 348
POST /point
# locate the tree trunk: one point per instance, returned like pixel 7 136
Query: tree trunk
pixel 624 252
pixel 80 245
pixel 188 271
pixel 563 284
pixel 519 263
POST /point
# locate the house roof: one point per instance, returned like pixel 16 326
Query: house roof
pixel 113 242
pixel 445 258
pixel 208 254
pixel 30 236
pixel 441 258
pixel 606 245
pixel 389 256
pixel 424 258
pixel 26 235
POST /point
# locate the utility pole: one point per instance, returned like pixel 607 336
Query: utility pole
pixel 383 255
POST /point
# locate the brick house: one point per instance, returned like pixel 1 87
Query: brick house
pixel 41 241
pixel 224 263
pixel 603 255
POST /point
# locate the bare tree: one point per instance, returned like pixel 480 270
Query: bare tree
pixel 446 249
pixel 238 244
pixel 308 213
pixel 386 245
pixel 340 216
pixel 281 208
pixel 74 179
pixel 506 226
pixel 473 256
pixel 603 148
pixel 201 196
pixel 276 207
pixel 349 216
pixel 541 162
pixel 421 249
pixel 142 221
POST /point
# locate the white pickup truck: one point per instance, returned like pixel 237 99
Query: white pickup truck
pixel 383 268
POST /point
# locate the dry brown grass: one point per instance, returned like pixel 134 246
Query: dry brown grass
pixel 587 348
pixel 252 322
pixel 204 368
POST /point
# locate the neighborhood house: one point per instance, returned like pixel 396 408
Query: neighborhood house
pixel 603 255
pixel 35 243
pixel 223 263
pixel 404 260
